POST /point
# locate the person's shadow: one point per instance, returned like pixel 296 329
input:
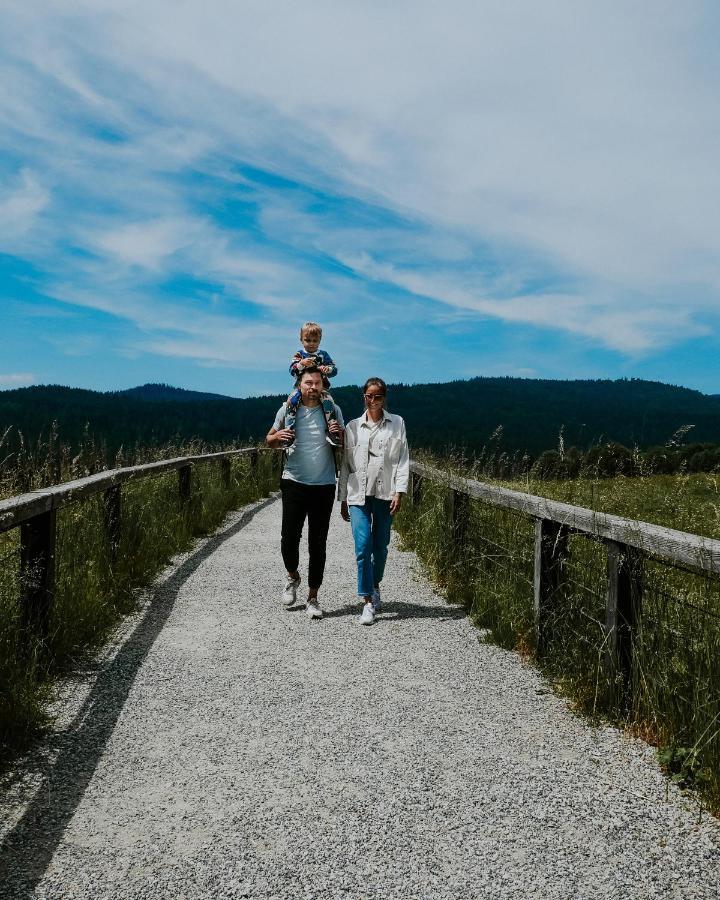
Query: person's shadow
pixel 393 610
pixel 29 847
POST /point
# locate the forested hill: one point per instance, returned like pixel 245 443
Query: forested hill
pixel 529 413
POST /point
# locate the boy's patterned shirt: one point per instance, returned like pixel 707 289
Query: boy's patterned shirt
pixel 323 358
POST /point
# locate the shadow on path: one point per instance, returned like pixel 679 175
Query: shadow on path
pixel 28 849
pixel 393 610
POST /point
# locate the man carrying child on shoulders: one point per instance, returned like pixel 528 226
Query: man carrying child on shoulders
pixel 308 481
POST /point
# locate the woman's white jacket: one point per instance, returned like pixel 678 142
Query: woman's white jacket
pixel 394 471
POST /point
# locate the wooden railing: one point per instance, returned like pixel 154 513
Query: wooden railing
pixel 628 542
pixel 35 514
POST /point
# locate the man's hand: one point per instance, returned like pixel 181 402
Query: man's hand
pixel 395 504
pixel 280 437
pixel 336 429
pixel 344 511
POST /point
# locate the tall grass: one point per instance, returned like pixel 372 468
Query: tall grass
pixel 675 700
pixel 95 586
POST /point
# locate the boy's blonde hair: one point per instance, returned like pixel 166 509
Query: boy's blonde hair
pixel 312 327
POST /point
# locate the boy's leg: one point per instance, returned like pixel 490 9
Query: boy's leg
pixel 328 408
pixel 328 405
pixel 291 405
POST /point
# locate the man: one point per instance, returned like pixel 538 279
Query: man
pixel 307 486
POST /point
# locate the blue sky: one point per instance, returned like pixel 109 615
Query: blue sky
pixel 477 188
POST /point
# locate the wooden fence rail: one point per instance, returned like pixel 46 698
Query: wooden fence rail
pixel 35 513
pixel 628 542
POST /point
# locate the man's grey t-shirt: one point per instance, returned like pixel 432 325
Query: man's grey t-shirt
pixel 311 462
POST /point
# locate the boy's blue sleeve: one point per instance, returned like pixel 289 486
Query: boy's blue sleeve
pixel 293 363
pixel 327 361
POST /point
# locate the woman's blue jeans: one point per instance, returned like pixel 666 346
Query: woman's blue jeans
pixel 371 525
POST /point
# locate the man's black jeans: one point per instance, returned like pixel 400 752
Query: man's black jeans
pixel 301 501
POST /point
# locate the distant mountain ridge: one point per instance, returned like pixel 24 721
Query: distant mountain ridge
pixel 518 414
pixel 160 392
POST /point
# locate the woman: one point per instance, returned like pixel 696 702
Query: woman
pixel 373 478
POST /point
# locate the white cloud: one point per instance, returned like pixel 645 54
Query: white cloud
pixel 573 144
pixel 20 207
pixel 16 380
pixel 148 244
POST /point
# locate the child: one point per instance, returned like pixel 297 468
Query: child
pixel 311 355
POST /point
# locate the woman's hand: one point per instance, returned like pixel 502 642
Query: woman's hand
pixel 395 503
pixel 344 511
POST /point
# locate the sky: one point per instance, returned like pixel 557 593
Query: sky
pixel 451 189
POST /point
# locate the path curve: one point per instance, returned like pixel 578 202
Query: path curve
pixel 229 748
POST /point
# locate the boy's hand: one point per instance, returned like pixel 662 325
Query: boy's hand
pixel 324 369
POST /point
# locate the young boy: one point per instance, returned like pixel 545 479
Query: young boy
pixel 311 355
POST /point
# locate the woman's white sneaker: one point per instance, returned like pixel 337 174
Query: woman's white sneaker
pixel 367 616
pixel 313 609
pixel 289 595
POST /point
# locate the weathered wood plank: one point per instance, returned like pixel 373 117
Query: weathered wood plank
pixel 37 573
pixel 622 611
pixel 678 547
pixel 112 501
pixel 460 512
pixel 551 551
pixel 16 510
pixel 416 486
pixel 185 483
pixel 226 473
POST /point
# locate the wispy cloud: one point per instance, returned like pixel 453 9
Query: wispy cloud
pixel 201 176
pixel 20 207
pixel 16 380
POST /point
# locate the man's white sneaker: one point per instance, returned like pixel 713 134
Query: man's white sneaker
pixel 289 595
pixel 368 616
pixel 376 601
pixel 313 609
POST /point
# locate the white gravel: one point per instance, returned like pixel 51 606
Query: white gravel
pixel 226 747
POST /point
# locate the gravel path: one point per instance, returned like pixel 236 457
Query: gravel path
pixel 226 747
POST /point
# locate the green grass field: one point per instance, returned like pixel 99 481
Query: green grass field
pixel 686 502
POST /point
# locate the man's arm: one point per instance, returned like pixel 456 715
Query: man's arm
pixel 278 434
pixel 275 438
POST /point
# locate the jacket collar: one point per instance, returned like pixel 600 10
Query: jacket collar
pixel 366 422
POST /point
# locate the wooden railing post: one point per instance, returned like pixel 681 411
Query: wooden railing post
pixel 622 611
pixel 254 460
pixel 551 550
pixel 37 572
pixel 416 486
pixel 112 502
pixel 185 483
pixel 226 473
pixel 460 508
